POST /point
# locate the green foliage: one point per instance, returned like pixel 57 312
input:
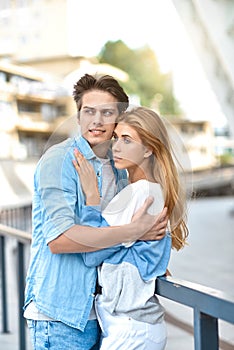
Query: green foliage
pixel 226 159
pixel 145 79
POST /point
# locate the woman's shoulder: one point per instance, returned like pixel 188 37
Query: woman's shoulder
pixel 144 189
pixel 145 185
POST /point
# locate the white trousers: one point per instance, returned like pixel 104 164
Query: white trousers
pixel 125 333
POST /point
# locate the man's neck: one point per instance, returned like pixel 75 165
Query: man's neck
pixel 101 149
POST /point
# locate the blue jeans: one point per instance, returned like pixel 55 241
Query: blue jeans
pixel 58 336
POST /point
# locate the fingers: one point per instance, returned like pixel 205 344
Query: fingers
pixel 168 273
pixel 162 224
pixel 147 203
pixel 164 212
pixel 162 220
pixel 163 215
pixel 79 156
pixel 79 161
pixel 74 162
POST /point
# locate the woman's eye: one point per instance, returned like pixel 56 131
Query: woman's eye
pixel 127 140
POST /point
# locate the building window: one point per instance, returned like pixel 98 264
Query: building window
pixel 21 3
pixel 5 4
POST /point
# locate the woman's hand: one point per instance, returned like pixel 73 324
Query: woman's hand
pixel 88 178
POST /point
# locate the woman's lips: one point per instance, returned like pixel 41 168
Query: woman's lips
pixel 116 158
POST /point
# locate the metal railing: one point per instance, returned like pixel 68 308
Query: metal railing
pixel 15 222
pixel 209 305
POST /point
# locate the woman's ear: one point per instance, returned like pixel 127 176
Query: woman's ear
pixel 148 153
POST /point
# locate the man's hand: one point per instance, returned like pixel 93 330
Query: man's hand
pixel 168 273
pixel 158 231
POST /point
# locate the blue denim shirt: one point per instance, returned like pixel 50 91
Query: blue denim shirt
pixel 61 285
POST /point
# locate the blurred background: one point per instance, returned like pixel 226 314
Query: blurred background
pixel 174 56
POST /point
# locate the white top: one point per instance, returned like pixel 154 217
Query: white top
pixel 127 274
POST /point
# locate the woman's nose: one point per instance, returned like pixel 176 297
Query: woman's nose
pixel 116 146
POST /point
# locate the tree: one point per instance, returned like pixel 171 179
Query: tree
pixel 145 79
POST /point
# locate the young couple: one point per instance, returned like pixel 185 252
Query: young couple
pixel 74 226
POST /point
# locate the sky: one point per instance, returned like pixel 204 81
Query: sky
pixel 157 24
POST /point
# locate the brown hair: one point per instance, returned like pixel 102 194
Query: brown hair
pixel 153 133
pixel 104 83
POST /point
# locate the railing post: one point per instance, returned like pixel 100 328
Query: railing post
pixel 22 336
pixel 205 331
pixel 3 286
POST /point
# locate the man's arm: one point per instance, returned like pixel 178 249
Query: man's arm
pixel 63 244
pixel 81 239
pixel 86 239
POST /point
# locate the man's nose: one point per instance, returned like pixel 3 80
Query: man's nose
pixel 98 119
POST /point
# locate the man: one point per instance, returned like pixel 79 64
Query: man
pixel 60 289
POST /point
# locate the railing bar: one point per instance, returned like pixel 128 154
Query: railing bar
pixel 22 236
pixel 210 301
pixel 188 328
pixel 22 335
pixel 205 331
pixel 3 287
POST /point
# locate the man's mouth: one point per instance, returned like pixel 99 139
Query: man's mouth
pixel 96 132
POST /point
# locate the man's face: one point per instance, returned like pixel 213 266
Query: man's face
pixel 98 113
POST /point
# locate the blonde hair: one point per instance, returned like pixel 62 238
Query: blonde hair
pixel 153 134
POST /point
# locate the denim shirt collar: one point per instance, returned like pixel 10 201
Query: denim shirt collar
pixel 87 151
pixel 85 148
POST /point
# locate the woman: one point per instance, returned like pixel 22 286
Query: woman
pixel 128 311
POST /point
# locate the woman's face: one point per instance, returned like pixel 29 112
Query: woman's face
pixel 128 150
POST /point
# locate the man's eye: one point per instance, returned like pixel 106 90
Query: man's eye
pixel 89 111
pixel 108 113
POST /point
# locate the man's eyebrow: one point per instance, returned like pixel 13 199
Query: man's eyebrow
pixel 108 109
pixel 101 108
pixel 89 107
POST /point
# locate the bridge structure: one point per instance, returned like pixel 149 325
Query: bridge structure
pixel 210 25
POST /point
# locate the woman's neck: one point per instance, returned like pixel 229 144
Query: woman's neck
pixel 137 173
